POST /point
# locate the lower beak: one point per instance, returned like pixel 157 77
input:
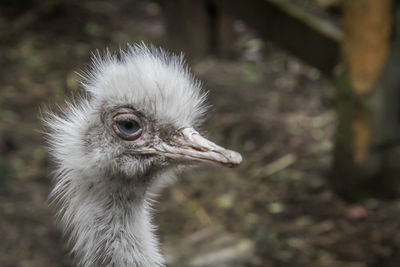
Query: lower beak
pixel 190 146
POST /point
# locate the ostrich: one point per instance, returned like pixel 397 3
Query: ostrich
pixel 130 134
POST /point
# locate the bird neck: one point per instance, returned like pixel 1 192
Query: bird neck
pixel 109 222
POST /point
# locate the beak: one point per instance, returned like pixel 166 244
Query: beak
pixel 190 146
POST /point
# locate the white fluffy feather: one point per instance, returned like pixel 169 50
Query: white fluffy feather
pixel 106 218
pixel 151 78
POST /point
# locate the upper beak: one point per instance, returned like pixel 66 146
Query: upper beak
pixel 190 146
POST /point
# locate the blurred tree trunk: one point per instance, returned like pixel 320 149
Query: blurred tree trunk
pixel 367 151
pixel 199 28
pixel 187 27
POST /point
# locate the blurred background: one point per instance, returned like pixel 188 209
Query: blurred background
pixel 307 90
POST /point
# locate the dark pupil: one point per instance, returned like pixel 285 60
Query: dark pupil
pixel 128 127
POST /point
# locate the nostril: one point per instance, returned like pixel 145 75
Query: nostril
pixel 200 148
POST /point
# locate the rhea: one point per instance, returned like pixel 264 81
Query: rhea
pixel 130 133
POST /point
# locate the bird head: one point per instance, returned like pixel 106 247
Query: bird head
pixel 141 113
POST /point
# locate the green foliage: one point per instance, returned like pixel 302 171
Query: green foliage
pixel 7 173
pixel 93 29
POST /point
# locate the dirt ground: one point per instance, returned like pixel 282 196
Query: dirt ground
pixel 273 109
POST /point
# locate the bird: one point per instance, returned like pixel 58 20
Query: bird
pixel 131 132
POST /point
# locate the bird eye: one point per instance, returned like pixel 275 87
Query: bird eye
pixel 127 127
